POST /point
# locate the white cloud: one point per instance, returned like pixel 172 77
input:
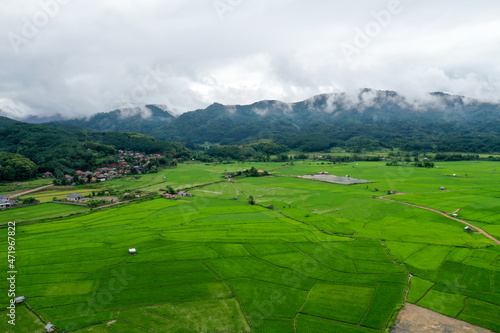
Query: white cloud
pixel 90 54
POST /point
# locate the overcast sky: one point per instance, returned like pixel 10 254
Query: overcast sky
pixel 78 57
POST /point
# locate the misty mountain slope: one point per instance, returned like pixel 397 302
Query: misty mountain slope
pixel 370 119
pixel 4 122
pixel 377 118
pixel 140 120
pixel 46 145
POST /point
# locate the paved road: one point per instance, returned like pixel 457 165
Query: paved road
pixel 481 231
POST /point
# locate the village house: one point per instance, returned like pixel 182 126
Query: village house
pixel 74 197
pixel 184 194
pixel 5 201
pixel 468 229
pixel 132 251
pixel 48 175
pixel 80 174
pixel 50 328
pixel 4 198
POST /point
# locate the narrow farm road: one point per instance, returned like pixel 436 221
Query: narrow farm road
pixel 30 191
pixel 481 231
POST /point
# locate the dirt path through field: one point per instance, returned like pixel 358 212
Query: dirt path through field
pixel 481 231
pixel 30 191
pixel 415 319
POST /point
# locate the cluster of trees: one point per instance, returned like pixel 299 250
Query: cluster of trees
pixel 170 190
pixel 68 158
pixel 260 150
pixel 239 153
pixel 29 201
pixel 16 167
pixel 456 157
pixel 424 164
pixel 140 142
pixel 252 172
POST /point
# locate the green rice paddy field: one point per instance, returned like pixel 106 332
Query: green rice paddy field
pixel 327 258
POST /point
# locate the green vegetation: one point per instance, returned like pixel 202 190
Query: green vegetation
pixel 328 257
pixel 419 288
pixel 27 149
pixel 39 212
pixel 324 122
pixel 16 167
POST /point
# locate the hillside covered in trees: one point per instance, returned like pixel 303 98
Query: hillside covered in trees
pixel 369 121
pixel 51 149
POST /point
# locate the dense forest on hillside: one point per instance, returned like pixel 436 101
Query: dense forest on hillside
pixel 370 121
pixel 139 120
pixel 53 148
pixel 16 167
pixel 313 127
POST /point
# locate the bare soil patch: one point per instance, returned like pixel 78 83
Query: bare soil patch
pixel 415 319
pixel 336 179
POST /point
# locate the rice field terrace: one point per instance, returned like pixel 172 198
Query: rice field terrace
pixel 309 256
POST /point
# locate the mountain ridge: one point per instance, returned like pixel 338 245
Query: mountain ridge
pixel 439 121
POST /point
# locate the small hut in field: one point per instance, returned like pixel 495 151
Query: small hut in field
pixel 19 299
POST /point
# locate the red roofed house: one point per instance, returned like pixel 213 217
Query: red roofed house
pixel 81 173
